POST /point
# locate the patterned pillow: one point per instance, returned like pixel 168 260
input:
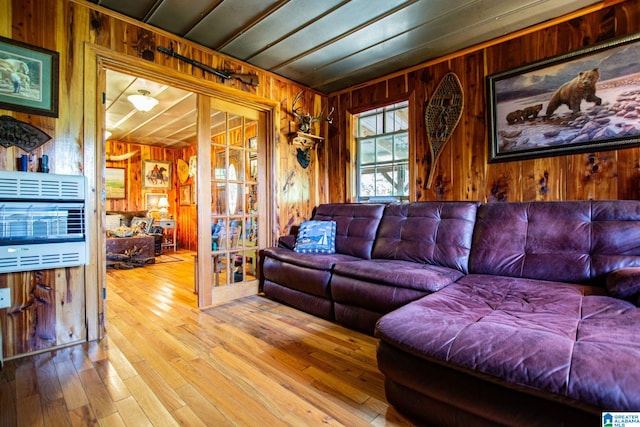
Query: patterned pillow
pixel 316 237
pixel 112 222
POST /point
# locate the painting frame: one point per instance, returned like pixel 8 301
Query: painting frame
pixel 185 195
pixel 156 175
pixel 527 115
pixel 32 78
pixel 115 183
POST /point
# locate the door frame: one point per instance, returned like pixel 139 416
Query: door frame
pixel 96 61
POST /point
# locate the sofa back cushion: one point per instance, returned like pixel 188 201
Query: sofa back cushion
pixel 570 241
pixel 356 226
pixel 437 233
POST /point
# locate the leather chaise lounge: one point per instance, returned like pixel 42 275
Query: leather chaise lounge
pixel 489 314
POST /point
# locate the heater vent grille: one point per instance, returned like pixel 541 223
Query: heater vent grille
pixel 40 186
pixel 42 221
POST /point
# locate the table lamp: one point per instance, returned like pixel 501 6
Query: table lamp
pixel 163 204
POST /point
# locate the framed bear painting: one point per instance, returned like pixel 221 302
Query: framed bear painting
pixel 583 101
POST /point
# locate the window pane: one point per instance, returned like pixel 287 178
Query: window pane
pixel 401 186
pixel 384 149
pixel 401 151
pixel 383 182
pixel 367 151
pixel 367 183
pixel 218 198
pixel 368 125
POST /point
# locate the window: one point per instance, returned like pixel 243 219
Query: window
pixel 382 144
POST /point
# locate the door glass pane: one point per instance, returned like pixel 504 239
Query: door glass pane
pixel 234 190
pixel 219 198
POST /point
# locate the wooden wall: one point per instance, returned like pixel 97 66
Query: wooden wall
pixel 463 171
pixel 48 308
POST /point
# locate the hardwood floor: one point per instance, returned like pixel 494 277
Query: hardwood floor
pixel 252 362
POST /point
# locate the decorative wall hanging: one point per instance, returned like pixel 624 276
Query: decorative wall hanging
pixel 304 157
pixel 250 79
pixel 156 174
pixel 121 157
pixel 583 101
pixel 20 134
pixel 193 165
pixel 183 171
pixel 442 116
pixel 28 78
pixel 300 132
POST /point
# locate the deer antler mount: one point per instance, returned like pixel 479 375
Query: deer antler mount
pixel 305 120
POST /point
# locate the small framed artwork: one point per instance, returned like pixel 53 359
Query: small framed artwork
pixel 253 143
pixel 115 183
pixel 28 78
pixel 578 102
pixel 185 195
pixel 156 174
pixel 142 224
pixel 152 200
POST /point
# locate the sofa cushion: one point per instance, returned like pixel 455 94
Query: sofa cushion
pixel 527 333
pixel 316 237
pixel 571 241
pixel 310 260
pixel 356 226
pixel 438 233
pixel 624 283
pixel 400 274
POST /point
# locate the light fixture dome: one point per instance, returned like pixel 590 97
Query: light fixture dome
pixel 143 102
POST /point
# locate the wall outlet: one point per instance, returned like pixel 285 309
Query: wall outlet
pixel 5 297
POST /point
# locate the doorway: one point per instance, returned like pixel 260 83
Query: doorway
pixel 146 149
pixel 207 99
pixel 231 137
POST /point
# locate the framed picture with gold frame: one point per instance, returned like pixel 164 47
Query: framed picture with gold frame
pixel 156 174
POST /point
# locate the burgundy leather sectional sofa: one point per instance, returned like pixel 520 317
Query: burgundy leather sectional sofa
pixel 487 314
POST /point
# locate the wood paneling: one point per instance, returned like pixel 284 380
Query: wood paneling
pixel 71 27
pixel 463 171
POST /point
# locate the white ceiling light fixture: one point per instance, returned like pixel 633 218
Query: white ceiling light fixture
pixel 142 102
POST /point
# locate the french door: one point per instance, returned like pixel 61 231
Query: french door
pixel 236 214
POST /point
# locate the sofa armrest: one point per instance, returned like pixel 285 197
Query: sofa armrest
pixel 287 242
pixel 624 283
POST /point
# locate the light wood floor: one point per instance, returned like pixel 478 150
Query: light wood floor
pixel 252 362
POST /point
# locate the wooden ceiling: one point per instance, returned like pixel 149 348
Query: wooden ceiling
pixel 330 45
pixel 171 123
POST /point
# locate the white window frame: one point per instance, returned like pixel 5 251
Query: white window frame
pixel 357 139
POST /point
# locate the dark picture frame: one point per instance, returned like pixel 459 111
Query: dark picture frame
pixel 156 174
pixel 28 78
pixel 529 112
pixel 115 187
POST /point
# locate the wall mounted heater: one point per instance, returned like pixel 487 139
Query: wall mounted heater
pixel 42 221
